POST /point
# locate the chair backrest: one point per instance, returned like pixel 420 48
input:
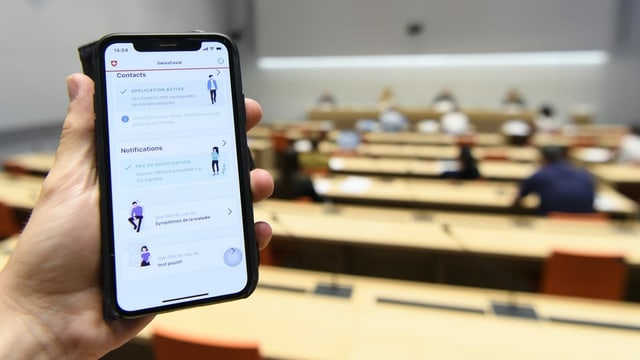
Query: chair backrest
pixel 8 223
pixel 590 217
pixel 596 276
pixel 172 345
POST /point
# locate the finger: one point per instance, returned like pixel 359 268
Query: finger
pixel 254 112
pixel 76 150
pixel 263 234
pixel 261 184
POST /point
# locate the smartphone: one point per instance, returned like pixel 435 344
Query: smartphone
pixel 176 209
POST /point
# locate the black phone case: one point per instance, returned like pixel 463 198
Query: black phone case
pixel 92 65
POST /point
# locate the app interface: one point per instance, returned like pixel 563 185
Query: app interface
pixel 174 173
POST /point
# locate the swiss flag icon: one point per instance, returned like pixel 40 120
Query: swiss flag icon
pixel 114 63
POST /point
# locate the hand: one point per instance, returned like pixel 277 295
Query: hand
pixel 50 294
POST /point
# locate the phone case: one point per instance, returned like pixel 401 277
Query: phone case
pixel 90 56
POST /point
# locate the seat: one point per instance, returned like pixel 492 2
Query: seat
pixel 596 276
pixel 590 217
pixel 8 223
pixel 168 344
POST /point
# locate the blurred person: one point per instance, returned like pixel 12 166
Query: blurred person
pixel 292 183
pixel 444 101
pixel 392 120
pixel 51 296
pixel 513 101
pixel 629 148
pixel 560 186
pixel 326 100
pixel 455 122
pixel 546 121
pixel 467 166
pixel 516 131
pixel 386 100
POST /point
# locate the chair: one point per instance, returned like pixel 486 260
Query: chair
pixel 596 276
pixel 9 225
pixel 589 217
pixel 173 345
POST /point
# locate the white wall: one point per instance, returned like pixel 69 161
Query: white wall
pixel 288 27
pixel 39 40
pixel 338 27
pixel 621 93
pixel 286 95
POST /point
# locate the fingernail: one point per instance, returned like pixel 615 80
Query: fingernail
pixel 73 88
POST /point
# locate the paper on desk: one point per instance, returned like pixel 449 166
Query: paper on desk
pixel 322 186
pixel 336 164
pixel 355 185
pixel 596 155
pixel 448 165
pixel 604 203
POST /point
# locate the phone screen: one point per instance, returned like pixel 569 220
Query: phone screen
pixel 175 179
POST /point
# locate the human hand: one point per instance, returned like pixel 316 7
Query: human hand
pixel 50 293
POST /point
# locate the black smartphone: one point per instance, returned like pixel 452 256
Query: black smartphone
pixel 176 209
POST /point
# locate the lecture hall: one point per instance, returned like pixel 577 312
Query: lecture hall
pixel 451 180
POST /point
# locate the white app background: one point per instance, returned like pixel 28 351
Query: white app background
pixel 176 200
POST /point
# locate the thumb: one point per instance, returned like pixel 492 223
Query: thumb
pixel 76 150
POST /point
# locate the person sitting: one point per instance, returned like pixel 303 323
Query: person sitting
pixel 546 121
pixel 516 131
pixel 292 183
pixel 629 148
pixel 392 120
pixel 386 100
pixel 560 186
pixel 326 100
pixel 467 166
pixel 455 122
pixel 444 102
pixel 513 101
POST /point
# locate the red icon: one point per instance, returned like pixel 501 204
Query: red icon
pixel 114 63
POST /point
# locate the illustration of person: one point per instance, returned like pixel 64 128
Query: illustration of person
pixel 215 156
pixel 136 214
pixel 144 256
pixel 212 85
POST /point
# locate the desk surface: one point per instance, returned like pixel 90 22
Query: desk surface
pixel 375 324
pixel 485 195
pixel 440 152
pixel 32 163
pixel 505 235
pixel 498 170
pixel 617 173
pixel 19 191
pixel 479 139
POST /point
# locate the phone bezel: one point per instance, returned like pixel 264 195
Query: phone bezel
pixel 103 163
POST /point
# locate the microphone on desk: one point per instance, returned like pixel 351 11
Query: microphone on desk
pixel 512 306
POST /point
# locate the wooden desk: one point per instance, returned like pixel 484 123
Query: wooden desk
pixel 495 170
pixel 443 194
pixel 30 163
pixel 481 139
pixel 625 178
pixel 437 246
pixel 579 139
pixel 386 319
pixel 616 173
pixel 436 152
pixel 484 120
pixel 20 191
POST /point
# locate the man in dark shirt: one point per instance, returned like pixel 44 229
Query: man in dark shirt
pixel 560 186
